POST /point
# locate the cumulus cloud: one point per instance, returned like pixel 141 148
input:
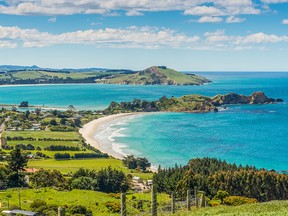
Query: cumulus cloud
pixel 134 13
pixel 136 7
pixel 204 11
pixel 208 19
pixel 274 1
pixel 233 19
pixel 132 37
pixel 137 37
pixel 7 44
pixel 285 21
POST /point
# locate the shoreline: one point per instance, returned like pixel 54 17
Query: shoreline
pixel 92 129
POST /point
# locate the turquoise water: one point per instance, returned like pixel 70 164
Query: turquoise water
pixel 247 134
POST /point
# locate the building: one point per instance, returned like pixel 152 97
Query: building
pixel 137 179
pixel 19 212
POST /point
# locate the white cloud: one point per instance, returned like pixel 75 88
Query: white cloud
pixel 52 19
pixel 140 37
pixel 190 7
pixel 134 13
pixel 208 19
pixel 204 11
pixel 274 1
pixel 7 44
pixel 137 37
pixel 285 21
pixel 233 19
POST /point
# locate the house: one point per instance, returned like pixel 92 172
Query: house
pixel 36 127
pixel 30 156
pixel 137 179
pixel 19 212
pixel 149 182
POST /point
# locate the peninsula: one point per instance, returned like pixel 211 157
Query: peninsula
pixel 155 75
pixel 189 103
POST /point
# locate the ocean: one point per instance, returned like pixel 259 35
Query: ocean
pixel 242 134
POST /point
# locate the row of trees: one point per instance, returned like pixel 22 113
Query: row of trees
pixel 211 175
pixel 106 180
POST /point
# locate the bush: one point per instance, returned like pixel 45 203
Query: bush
pixel 79 209
pixel 84 183
pixel 113 207
pixel 239 200
pixel 214 203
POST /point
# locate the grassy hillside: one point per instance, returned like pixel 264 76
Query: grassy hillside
pixel 96 202
pixel 156 75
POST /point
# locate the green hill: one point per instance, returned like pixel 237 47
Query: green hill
pixel 155 75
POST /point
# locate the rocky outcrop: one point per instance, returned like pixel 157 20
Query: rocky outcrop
pixel 233 98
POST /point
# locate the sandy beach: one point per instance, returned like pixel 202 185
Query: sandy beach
pixel 91 130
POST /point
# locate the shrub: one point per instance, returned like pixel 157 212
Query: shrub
pixel 84 183
pixel 113 207
pixel 214 203
pixel 79 209
pixel 239 200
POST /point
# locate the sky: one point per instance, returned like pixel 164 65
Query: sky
pixel 186 35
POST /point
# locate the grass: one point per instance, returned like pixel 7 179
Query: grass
pixel 96 202
pixel 277 208
pixel 91 199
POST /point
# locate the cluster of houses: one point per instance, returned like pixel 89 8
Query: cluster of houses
pixel 140 185
pixel 12 127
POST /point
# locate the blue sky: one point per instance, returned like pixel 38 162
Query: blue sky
pixel 195 35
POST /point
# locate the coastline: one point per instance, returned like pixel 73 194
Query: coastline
pixel 92 130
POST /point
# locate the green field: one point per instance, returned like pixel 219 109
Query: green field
pixel 44 134
pixel 68 166
pixel 91 199
pixel 96 202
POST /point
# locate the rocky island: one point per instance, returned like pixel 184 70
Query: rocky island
pixel 189 103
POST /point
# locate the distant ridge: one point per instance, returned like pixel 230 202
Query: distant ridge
pixel 9 68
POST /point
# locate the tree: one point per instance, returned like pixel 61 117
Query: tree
pixel 71 108
pixel 221 195
pixel 63 121
pixel 48 178
pixel 143 163
pixel 38 112
pixel 24 104
pixel 27 113
pixel 77 122
pixel 17 161
pixel 53 122
pixel 130 161
pixel 112 181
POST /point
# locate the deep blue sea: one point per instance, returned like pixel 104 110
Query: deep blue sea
pixel 244 134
